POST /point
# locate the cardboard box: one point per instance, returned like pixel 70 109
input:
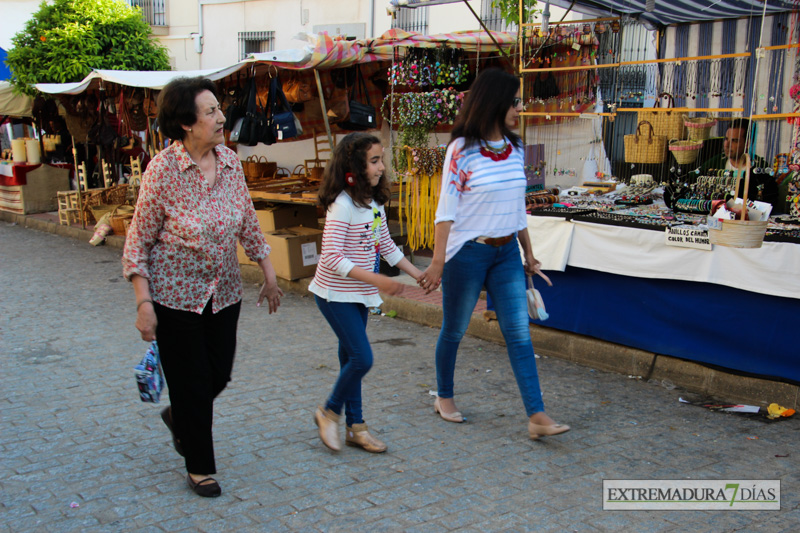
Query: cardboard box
pixel 295 251
pixel 279 216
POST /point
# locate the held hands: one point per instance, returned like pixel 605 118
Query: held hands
pixel 431 278
pixel 532 267
pixel 387 285
pixel 272 293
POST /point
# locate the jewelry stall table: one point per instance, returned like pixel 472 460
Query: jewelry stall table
pixel 729 307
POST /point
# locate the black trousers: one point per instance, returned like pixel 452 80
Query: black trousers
pixel 197 357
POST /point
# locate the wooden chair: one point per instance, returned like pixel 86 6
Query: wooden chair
pixel 108 177
pixel 135 180
pixel 322 153
pixel 67 207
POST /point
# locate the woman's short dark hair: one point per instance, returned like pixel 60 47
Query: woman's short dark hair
pixel 176 105
pixel 350 155
pixel 490 97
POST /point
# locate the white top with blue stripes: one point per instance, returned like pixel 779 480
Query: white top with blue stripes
pixel 480 196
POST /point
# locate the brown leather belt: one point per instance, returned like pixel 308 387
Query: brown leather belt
pixel 495 241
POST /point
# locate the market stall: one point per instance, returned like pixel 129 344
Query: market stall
pixel 729 307
pixel 26 185
pixel 637 255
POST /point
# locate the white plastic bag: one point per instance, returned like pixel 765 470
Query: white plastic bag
pixel 536 310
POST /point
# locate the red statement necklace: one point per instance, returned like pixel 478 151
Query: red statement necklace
pixel 496 154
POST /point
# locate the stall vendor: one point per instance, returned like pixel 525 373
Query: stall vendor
pixel 762 186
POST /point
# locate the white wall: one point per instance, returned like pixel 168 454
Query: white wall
pixel 15 15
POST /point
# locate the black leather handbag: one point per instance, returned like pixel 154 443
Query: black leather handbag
pixel 235 97
pixel 362 115
pixel 253 127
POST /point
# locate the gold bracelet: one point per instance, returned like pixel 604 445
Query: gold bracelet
pixel 143 302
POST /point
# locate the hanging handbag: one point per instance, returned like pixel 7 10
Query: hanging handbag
pixel 101 132
pixel 234 103
pixel 253 127
pixel 645 147
pixel 283 123
pixel 149 376
pixel 296 89
pixel 667 123
pixel 362 116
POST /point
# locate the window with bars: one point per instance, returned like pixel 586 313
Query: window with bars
pixel 412 20
pixel 154 12
pixel 255 42
pixel 492 19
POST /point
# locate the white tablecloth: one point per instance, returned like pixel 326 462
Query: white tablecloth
pixel 773 269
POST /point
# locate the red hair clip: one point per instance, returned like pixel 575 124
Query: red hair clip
pixel 350 178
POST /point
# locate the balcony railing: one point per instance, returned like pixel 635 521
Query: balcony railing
pixel 154 12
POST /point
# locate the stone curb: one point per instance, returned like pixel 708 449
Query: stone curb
pixel 586 351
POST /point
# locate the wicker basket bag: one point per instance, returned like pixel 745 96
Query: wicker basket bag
pixel 738 233
pixel 667 123
pixel 118 217
pixel 645 147
pixel 699 128
pixel 257 167
pixel 685 152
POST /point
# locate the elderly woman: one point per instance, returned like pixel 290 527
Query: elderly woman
pixel 180 255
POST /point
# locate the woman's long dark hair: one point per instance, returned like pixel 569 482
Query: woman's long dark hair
pixel 489 98
pixel 350 155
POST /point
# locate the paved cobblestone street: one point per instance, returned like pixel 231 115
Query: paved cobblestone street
pixel 80 452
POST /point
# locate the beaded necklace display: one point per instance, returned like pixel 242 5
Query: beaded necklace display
pixel 496 154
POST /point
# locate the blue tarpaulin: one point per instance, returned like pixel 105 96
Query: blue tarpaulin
pixel 710 324
pixel 669 12
pixel 5 73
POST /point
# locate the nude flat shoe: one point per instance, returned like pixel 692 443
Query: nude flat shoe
pixel 536 430
pixel 450 417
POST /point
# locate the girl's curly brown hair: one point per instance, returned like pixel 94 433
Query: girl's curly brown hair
pixel 350 155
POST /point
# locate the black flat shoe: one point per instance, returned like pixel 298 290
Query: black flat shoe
pixel 207 488
pixel 166 416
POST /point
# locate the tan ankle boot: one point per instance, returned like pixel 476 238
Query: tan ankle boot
pixel 359 436
pixel 328 423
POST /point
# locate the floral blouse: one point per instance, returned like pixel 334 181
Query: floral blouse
pixel 183 234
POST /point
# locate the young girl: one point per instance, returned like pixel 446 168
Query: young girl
pixel 353 191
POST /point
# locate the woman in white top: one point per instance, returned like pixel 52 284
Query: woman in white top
pixel 480 226
pixel 353 191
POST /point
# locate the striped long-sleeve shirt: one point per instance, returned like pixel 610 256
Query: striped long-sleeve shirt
pixel 483 198
pixel 353 236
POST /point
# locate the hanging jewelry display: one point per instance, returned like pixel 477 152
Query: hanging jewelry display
pixel 426 68
pixel 428 75
pixel 564 45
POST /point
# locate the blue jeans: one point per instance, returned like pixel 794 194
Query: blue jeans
pixel 349 322
pixel 500 270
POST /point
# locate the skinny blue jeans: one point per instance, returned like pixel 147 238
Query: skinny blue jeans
pixel 349 322
pixel 500 270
